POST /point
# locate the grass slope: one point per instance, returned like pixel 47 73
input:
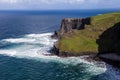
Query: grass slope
pixel 79 41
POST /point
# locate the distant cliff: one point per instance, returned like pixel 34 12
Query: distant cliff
pixel 97 34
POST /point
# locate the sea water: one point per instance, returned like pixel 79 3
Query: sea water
pixel 25 38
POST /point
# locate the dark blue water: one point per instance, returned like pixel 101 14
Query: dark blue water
pixel 25 37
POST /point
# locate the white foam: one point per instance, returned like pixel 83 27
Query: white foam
pixel 38 35
pixel 8 52
pixel 32 38
pixel 43 41
pixel 36 51
pixel 19 40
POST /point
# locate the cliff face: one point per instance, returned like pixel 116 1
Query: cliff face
pixel 69 24
pixel 98 34
pixel 109 45
pixel 109 40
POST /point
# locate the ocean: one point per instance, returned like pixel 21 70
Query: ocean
pixel 25 38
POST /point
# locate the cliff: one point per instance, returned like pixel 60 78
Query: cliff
pixel 109 45
pixel 97 34
pixel 70 24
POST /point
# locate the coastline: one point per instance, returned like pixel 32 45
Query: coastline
pixel 92 58
pixel 73 31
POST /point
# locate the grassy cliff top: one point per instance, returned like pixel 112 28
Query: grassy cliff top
pixel 79 41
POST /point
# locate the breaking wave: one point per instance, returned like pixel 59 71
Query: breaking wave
pixel 31 45
pixel 34 46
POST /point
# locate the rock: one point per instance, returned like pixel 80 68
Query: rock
pixel 109 40
pixel 55 50
pixel 55 35
pixel 69 24
pixel 111 58
pixel 109 45
pixel 101 37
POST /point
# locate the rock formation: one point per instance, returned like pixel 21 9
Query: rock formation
pixel 68 24
pixel 109 45
pixel 98 34
pixel 109 40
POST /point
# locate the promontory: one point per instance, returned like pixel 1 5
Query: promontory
pixel 99 35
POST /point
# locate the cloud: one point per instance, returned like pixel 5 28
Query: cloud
pixel 8 1
pixel 68 1
pixel 42 1
pixel 58 4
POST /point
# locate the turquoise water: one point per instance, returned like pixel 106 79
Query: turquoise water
pixel 25 37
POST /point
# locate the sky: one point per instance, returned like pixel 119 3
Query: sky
pixel 57 4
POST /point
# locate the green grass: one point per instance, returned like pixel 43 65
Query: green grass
pixel 80 41
pixel 77 44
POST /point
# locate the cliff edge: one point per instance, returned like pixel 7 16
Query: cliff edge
pixel 97 34
pixel 70 24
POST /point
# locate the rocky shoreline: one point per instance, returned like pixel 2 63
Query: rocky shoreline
pixel 69 25
pixel 90 57
pixel 58 52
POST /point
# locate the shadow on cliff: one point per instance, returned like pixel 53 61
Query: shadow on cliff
pixel 109 40
pixel 86 21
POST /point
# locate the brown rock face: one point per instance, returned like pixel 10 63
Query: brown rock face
pixel 68 24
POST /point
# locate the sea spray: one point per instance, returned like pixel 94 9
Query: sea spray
pixel 30 45
pixel 34 46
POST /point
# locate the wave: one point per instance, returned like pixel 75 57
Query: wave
pixel 28 45
pixel 34 46
pixel 32 38
pixel 20 40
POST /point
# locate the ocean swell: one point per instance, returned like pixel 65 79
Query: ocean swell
pixel 30 45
